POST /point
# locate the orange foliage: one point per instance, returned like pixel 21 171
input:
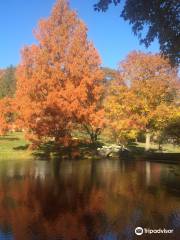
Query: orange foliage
pixel 59 80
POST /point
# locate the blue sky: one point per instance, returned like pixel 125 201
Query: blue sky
pixel 112 36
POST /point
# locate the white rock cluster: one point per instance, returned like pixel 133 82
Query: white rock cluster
pixel 108 150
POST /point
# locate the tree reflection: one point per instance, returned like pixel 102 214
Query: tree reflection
pixel 84 200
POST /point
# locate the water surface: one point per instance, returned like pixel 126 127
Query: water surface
pixel 88 200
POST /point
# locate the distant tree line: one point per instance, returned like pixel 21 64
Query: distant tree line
pixel 7 82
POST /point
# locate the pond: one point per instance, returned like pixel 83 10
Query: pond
pixel 88 200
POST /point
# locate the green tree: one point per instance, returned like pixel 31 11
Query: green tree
pixel 8 82
pixel 172 130
pixel 160 18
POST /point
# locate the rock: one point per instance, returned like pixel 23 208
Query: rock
pixel 107 151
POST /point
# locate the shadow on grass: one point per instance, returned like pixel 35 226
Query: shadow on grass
pixel 21 148
pixel 4 138
pixel 134 148
pixel 53 150
pixel 153 154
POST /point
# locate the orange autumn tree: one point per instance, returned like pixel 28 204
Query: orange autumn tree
pixel 143 98
pixel 59 79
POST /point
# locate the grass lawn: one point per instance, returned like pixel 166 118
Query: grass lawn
pixel 166 148
pixel 13 146
pixel 168 154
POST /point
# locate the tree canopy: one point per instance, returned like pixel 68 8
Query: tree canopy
pixel 157 18
pixel 143 97
pixel 59 79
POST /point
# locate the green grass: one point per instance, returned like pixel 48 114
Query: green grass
pixel 166 148
pixel 168 154
pixel 13 146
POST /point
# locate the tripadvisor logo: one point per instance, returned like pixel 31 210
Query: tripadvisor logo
pixel 140 231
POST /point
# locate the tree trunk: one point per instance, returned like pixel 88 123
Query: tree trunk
pixel 160 146
pixel 148 141
pixel 93 138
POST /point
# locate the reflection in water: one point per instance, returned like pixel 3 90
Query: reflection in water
pixel 88 200
pixel 148 173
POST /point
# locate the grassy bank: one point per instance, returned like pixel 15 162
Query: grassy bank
pixel 167 154
pixel 13 146
pixel 166 148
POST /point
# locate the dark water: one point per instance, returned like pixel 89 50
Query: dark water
pixel 88 200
